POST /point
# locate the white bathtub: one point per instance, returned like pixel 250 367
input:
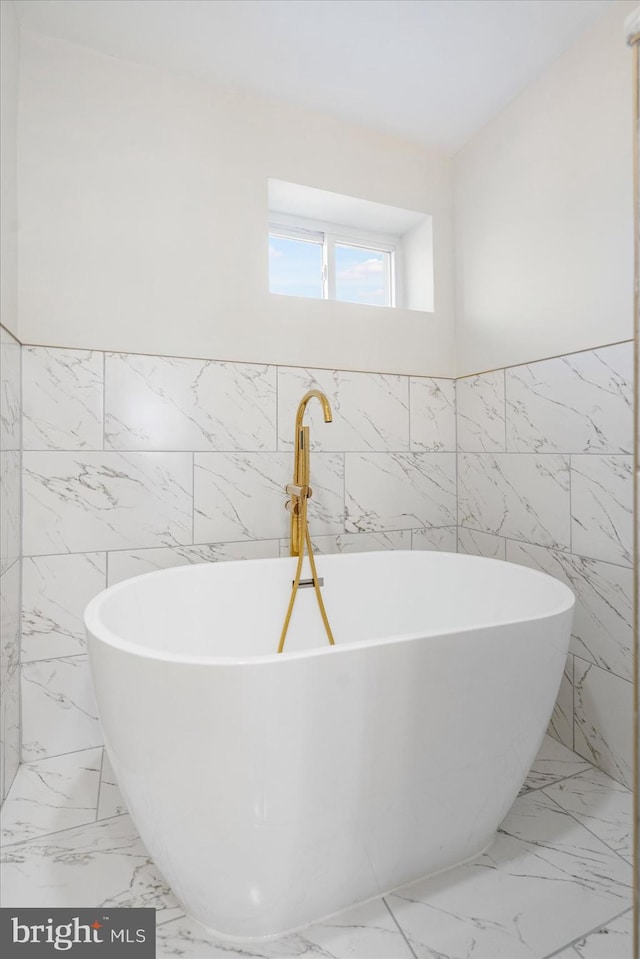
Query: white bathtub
pixel 274 790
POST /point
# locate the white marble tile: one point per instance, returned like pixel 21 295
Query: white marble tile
pixel 356 542
pixel 10 391
pixel 123 564
pixel 9 622
pixel 516 495
pixel 480 403
pixel 475 543
pixel 365 542
pixel 58 707
pixel 110 801
pixel 10 730
pixel 601 804
pixel 602 507
pixel 101 864
pixel 603 622
pixel 55 591
pixel 441 539
pixel 561 723
pixel 82 502
pixel 386 491
pixel 240 496
pixel 172 403
pixel 580 403
pixel 9 508
pixel 363 932
pixel 62 393
pixel 613 941
pixel 602 631
pixel 603 709
pixel 544 876
pixel 432 414
pixel 370 410
pixel 51 795
pixel 553 762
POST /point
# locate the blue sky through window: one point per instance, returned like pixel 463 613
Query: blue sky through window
pixel 295 267
pixel 362 275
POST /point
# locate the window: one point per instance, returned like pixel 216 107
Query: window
pixel 337 247
pixel 331 262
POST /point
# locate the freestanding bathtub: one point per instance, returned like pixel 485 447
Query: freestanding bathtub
pixel 273 790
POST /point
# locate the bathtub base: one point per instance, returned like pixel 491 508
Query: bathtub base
pixel 273 936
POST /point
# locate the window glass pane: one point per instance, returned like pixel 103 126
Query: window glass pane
pixel 295 266
pixel 362 276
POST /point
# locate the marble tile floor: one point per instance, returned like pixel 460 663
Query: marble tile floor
pixel 555 883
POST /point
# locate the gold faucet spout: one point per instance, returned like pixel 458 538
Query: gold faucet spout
pixel 324 402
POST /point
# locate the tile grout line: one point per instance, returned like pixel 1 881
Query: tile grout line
pixel 70 752
pixel 573 701
pixel 553 549
pixel 83 825
pixel 99 785
pixel 230 542
pixel 400 929
pixel 276 447
pixel 409 448
pixel 556 782
pixel 104 401
pixel 591 932
pixel 329 369
pixel 21 585
pixel 584 826
pixel 165 922
pixel 590 454
pixel 570 503
pixel 505 409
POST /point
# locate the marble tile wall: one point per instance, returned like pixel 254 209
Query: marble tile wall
pixel 545 478
pixel 133 463
pixel 10 558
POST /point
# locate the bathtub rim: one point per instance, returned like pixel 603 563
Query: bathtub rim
pixel 97 630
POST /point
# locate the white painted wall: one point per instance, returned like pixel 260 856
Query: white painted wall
pixel 543 212
pixel 9 60
pixel 417 258
pixel 143 209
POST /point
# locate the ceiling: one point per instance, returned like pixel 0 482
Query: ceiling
pixel 434 71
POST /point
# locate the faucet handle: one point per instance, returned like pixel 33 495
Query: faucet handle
pixel 299 491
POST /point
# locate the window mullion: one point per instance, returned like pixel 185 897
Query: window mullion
pixel 330 265
pixel 325 269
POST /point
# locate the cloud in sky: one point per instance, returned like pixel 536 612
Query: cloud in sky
pixel 360 271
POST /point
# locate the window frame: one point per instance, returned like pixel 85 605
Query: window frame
pixel 331 234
